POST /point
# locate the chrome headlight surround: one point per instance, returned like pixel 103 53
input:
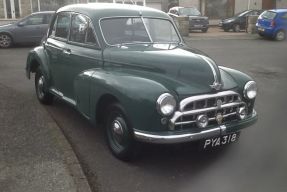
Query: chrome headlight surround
pixel 166 104
pixel 250 90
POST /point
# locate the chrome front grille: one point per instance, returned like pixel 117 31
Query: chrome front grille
pixel 224 103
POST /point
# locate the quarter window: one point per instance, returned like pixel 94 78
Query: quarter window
pixel 62 25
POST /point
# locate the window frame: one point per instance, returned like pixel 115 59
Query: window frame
pixel 148 17
pixel 55 21
pixel 85 44
pixel 25 20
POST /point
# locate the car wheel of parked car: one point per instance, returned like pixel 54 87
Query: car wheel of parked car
pixel 280 35
pixel 261 34
pixel 236 28
pixel 41 90
pixel 119 133
pixel 204 30
pixel 5 40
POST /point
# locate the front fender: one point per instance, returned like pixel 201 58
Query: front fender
pixel 136 94
pixel 37 58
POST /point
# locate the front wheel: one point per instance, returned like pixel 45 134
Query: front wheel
pixel 41 88
pixel 119 133
pixel 236 28
pixel 5 40
pixel 280 35
pixel 204 30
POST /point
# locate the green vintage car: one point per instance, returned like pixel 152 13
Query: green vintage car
pixel 127 67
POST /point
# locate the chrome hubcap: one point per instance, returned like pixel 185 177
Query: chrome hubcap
pixel 5 40
pixel 40 88
pixel 117 131
pixel 280 35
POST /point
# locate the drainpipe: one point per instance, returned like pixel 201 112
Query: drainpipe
pixel 248 7
pixel 39 6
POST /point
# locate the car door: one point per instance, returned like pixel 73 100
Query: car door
pixel 82 52
pixel 54 48
pixel 32 29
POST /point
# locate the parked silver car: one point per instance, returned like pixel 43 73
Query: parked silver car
pixel 30 29
pixel 196 20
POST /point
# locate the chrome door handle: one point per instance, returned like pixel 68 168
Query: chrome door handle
pixel 67 51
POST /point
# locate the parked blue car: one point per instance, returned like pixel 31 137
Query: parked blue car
pixel 273 23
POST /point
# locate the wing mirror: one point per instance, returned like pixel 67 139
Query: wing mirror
pixel 21 24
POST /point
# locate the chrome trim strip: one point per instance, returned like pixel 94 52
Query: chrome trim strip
pixel 61 95
pixel 56 92
pixel 169 139
pixel 181 138
pixel 188 100
pixel 149 36
pixel 209 119
pixel 216 79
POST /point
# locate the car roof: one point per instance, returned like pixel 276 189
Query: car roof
pixel 43 12
pixel 102 10
pixel 181 7
pixel 278 10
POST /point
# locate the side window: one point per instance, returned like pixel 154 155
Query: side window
pixel 284 16
pixel 35 20
pixel 82 30
pixel 79 29
pixel 62 25
pixel 47 18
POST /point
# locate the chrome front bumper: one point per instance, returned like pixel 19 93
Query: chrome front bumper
pixel 188 137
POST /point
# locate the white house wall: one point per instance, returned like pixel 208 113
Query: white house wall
pixel 281 4
pixel 189 3
pixel 241 5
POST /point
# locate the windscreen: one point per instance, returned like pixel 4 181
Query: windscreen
pixel 133 30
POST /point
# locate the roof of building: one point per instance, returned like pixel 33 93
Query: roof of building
pixel 101 10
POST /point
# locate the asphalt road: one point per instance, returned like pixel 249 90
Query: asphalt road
pixel 256 163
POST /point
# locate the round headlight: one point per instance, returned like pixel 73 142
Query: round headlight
pixel 250 90
pixel 166 104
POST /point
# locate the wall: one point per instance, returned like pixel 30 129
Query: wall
pixel 241 5
pixel 25 8
pixel 190 3
pixel 2 9
pixel 281 4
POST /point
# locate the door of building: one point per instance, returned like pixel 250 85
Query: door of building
pixel 268 4
pixel 12 9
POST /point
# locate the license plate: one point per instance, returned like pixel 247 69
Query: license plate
pixel 197 25
pixel 260 29
pixel 220 141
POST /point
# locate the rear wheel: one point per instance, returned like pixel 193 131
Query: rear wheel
pixel 280 35
pixel 41 89
pixel 236 28
pixel 119 133
pixel 5 40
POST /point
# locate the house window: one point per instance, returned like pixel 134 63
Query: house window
pixel 218 9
